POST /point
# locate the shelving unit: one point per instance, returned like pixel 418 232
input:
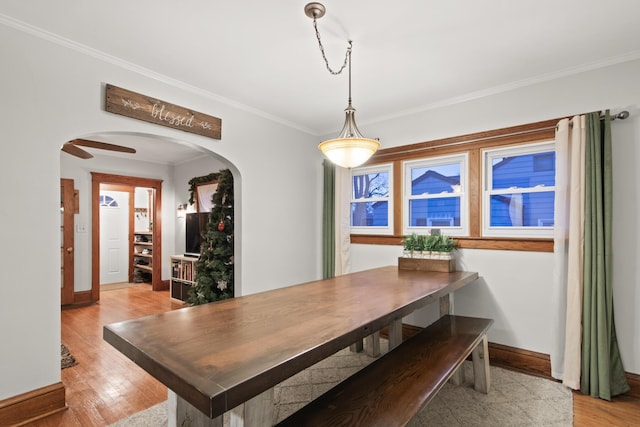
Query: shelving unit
pixel 142 256
pixel 183 275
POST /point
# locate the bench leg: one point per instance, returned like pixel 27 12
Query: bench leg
pixel 481 374
pixel 372 344
pixel 182 413
pixel 257 411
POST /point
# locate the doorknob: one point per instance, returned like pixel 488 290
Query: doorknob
pixel 70 249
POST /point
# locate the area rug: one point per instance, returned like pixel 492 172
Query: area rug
pixel 67 358
pixel 514 399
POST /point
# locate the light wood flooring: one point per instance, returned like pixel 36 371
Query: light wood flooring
pixel 106 387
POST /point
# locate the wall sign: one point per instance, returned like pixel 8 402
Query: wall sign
pixel 142 107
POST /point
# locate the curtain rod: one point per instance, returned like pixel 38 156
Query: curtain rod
pixel 621 115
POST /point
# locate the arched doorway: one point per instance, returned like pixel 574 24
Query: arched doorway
pixel 159 146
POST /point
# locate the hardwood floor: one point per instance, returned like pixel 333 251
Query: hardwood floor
pixel 106 386
pixel 622 411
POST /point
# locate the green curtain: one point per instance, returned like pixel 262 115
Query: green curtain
pixel 602 375
pixel 328 221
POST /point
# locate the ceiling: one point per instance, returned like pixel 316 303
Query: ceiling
pixel 407 56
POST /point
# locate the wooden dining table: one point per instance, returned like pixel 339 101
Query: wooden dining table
pixel 228 355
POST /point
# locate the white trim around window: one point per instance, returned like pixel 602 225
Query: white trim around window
pixel 374 202
pixel 516 195
pixel 446 223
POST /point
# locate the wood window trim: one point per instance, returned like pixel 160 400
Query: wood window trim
pixel 471 144
pixel 508 244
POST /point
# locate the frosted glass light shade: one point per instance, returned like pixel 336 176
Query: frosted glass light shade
pixel 350 149
pixel 349 152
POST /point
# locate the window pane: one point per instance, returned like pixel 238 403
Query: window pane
pixel 370 214
pixel 435 179
pixel 522 209
pixel 435 212
pixel 371 185
pixel 526 171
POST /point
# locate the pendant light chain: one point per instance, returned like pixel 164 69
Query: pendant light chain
pixel 350 149
pixel 346 56
pixel 349 55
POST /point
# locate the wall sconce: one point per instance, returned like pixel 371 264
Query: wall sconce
pixel 181 212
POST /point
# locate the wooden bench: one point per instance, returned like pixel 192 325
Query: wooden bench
pixel 392 389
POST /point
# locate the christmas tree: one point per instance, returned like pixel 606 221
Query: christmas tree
pixel 214 268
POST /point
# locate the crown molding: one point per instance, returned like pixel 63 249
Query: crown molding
pixel 146 72
pixel 495 90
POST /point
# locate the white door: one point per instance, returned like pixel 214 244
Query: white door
pixel 114 237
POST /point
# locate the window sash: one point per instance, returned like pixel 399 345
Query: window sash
pixel 535 231
pixel 370 201
pixel 460 193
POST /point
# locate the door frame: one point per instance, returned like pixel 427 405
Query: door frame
pixel 156 216
pixel 67 245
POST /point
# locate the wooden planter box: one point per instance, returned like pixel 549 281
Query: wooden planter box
pixel 442 265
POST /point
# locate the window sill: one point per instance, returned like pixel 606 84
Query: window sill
pixel 509 244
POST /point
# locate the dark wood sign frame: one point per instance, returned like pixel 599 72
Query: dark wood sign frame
pixel 142 107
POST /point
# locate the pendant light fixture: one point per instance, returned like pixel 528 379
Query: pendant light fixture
pixel 350 148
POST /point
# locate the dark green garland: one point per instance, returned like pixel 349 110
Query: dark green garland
pixel 215 266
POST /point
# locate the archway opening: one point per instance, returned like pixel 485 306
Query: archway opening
pixel 170 161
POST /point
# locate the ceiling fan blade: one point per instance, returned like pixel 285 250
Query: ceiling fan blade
pixel 102 145
pixel 69 148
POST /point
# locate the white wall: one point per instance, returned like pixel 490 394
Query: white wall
pixel 52 94
pixel 515 287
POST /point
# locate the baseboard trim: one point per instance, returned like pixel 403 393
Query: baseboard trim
pixel 634 383
pixel 516 359
pixel 33 405
pixel 525 361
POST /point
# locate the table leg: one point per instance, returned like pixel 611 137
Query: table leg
pixel 182 413
pixel 356 347
pixel 372 344
pixel 257 411
pixel 446 305
pixel 395 333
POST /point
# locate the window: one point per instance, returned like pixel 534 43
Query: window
pixel 519 191
pixel 483 205
pixel 371 201
pixel 108 201
pixel 435 195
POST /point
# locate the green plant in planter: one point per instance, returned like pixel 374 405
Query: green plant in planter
pixel 411 244
pixel 448 244
pixel 429 245
pixel 418 246
pixel 445 245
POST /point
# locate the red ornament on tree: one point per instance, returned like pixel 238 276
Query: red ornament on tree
pixel 221 225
